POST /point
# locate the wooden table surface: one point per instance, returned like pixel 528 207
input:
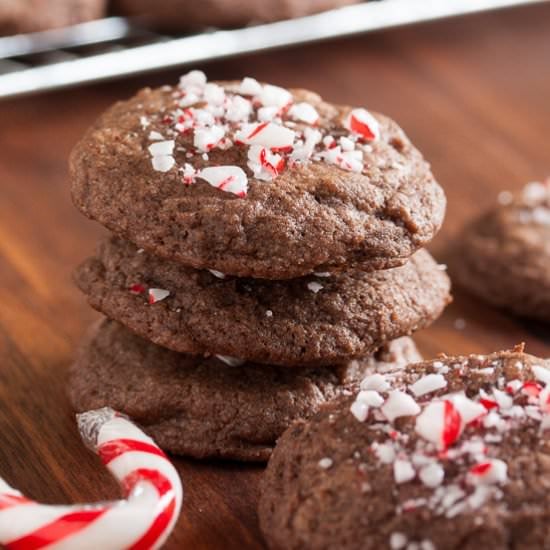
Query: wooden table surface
pixel 472 93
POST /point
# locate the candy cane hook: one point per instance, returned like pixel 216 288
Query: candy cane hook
pixel 144 520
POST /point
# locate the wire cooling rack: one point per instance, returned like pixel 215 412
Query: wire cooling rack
pixel 116 47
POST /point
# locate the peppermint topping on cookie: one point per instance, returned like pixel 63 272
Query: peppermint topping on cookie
pixel 157 295
pixel 425 432
pixel 226 178
pixel 277 133
pixel 231 361
pixel 361 122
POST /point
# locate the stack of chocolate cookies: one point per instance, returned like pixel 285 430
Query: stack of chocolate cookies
pixel 266 254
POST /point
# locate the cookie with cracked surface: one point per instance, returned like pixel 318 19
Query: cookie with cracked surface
pixel 21 16
pixel 202 407
pixel 255 181
pixel 504 256
pixel 446 454
pixel 309 321
pixel 181 14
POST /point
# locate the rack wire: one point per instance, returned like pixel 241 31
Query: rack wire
pixel 116 47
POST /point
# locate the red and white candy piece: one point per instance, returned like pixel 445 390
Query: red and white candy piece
pixel 144 520
pixel 205 139
pixel 264 164
pixel 440 422
pixel 361 122
pixel 403 471
pixel 488 472
pixel 161 155
pixel 468 409
pixel 399 404
pixel 267 134
pixel 157 295
pixel 226 178
pixel 304 112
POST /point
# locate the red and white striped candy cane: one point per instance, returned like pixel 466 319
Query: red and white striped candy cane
pixel 143 520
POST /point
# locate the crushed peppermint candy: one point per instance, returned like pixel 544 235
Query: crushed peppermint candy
pixel 231 361
pixel 217 274
pixel 314 287
pixel 428 384
pixel 399 404
pixel 157 295
pixel 161 153
pixel 461 430
pixel 398 541
pixel 226 178
pixel 277 133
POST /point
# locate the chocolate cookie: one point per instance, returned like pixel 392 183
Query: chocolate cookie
pixel 201 407
pixel 182 14
pixel 504 257
pixel 255 181
pixel 447 454
pixel 315 320
pixel 18 16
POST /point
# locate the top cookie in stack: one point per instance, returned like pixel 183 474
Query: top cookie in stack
pixel 264 227
pixel 307 186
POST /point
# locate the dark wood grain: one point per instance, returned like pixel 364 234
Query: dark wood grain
pixel 472 93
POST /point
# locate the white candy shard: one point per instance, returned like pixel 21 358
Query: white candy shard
pixel 428 383
pixel 375 382
pixel 193 79
pixel 384 451
pixel 162 148
pixel 360 410
pixel 238 109
pixel 231 361
pixel 226 178
pixel 267 114
pixel 314 286
pixel 489 472
pixel 274 96
pixel 403 471
pixel 214 94
pixel 399 404
pixel 542 374
pixel 303 150
pixel 304 112
pixel 161 151
pixel 325 463
pixel 370 397
pixel 503 399
pixel 163 163
pixel 432 475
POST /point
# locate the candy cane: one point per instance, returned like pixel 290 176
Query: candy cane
pixel 144 520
